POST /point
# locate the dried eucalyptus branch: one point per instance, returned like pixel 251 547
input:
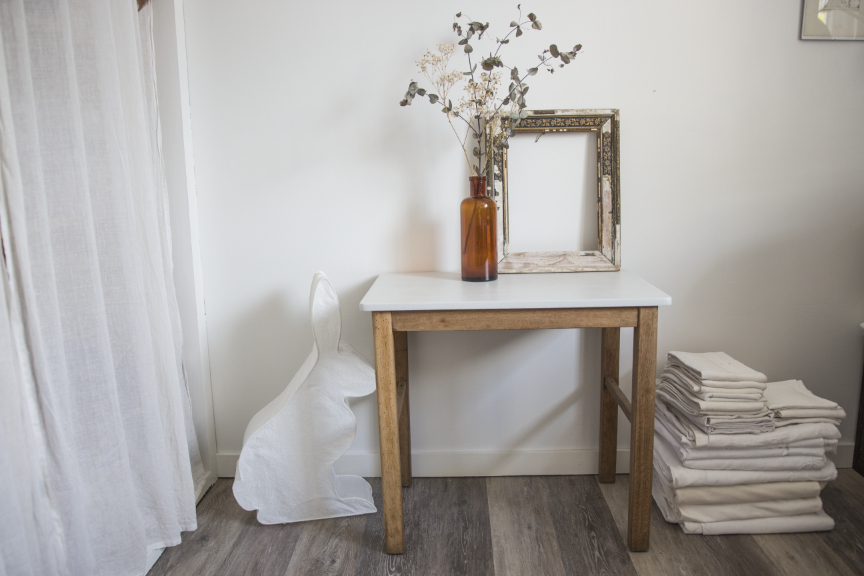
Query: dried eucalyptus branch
pixel 481 106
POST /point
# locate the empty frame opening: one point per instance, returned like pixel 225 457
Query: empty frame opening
pixel 552 192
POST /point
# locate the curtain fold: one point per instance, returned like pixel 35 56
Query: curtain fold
pixel 96 441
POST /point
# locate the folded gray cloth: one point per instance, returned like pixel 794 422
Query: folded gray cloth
pixel 717 366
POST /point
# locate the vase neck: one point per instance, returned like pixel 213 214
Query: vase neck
pixel 477 185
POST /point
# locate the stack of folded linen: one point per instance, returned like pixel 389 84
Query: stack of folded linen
pixel 716 393
pixel 792 403
pixel 738 477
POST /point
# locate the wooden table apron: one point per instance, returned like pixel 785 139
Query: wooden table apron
pixel 391 368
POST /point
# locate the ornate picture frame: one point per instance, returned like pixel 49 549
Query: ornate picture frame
pixel 605 123
pixel 832 20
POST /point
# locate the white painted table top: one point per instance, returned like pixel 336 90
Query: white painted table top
pixel 447 291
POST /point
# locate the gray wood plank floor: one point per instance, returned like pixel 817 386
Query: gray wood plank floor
pixel 549 525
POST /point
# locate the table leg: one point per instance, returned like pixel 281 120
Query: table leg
pixel 400 340
pixel 642 429
pixel 385 379
pixel 611 344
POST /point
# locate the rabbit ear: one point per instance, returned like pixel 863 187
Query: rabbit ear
pixel 326 318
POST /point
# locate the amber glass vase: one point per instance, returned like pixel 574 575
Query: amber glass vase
pixel 479 238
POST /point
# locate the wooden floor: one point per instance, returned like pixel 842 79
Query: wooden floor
pixel 540 525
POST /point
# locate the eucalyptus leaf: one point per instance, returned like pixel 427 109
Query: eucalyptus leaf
pixel 403 103
pixel 507 41
pixel 433 98
pixel 536 25
pixel 476 151
pixel 523 114
pixel 532 17
pixel 577 47
pixel 518 31
pixel 458 14
pixel 506 101
pixel 513 24
pixel 525 90
pixel 514 73
pixel 565 58
pixel 553 49
pixel 532 71
pixel 468 49
pixel 421 91
pixel 463 41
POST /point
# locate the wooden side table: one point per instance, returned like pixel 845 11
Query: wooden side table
pixel 433 301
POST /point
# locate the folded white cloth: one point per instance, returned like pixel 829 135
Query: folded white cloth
pixel 689 403
pixel 775 463
pixel 836 413
pixel 691 435
pixel 717 366
pixel 815 447
pixel 818 522
pixel 741 493
pixel 677 513
pixel 793 394
pixel 780 422
pixel 678 475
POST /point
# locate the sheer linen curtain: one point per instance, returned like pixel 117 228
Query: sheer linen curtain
pixel 98 459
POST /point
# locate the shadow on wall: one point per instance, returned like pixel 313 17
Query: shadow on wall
pixel 789 306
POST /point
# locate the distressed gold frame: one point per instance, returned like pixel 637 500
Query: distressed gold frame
pixel 608 258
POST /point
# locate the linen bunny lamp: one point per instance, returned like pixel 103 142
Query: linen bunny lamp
pixel 285 470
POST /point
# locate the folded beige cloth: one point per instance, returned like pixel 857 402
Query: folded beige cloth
pixel 689 434
pixel 689 403
pixel 780 422
pixel 717 366
pixel 793 394
pixel 676 512
pixel 686 380
pixel 837 413
pixel 667 463
pixel 815 447
pixel 818 522
pixel 775 463
pixel 740 493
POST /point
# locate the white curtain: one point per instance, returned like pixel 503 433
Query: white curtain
pixel 98 458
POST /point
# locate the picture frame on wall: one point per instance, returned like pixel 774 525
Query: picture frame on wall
pixel 607 257
pixel 832 20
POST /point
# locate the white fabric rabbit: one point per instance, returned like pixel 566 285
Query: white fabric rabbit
pixel 285 470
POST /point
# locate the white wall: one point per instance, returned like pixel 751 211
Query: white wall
pixel 742 197
pixel 176 132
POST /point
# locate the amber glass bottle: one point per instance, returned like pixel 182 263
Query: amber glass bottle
pixel 479 238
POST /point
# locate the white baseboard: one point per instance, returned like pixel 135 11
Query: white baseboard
pixel 510 463
pixel 449 464
pixel 152 557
